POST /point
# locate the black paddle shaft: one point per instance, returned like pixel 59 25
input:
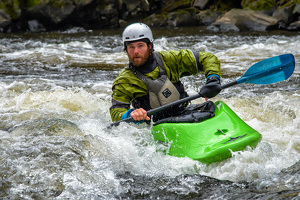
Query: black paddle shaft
pixel 227 85
pixel 156 110
pixel 180 101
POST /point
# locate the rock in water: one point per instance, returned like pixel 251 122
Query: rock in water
pixel 244 20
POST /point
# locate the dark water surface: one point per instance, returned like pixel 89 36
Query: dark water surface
pixel 55 92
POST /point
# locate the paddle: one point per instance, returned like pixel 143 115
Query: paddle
pixel 271 70
pixel 267 71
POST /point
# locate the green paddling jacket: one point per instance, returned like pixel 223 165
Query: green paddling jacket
pixel 127 87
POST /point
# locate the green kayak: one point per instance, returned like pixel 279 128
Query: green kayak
pixel 206 136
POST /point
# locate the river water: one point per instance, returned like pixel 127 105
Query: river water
pixel 55 92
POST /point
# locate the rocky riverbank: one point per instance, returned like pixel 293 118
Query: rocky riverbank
pixel 217 15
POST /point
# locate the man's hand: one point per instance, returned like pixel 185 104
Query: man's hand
pixel 139 114
pixel 212 87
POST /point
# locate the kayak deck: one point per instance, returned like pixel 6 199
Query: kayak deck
pixel 211 140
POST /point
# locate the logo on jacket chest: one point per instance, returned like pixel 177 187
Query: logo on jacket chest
pixel 166 93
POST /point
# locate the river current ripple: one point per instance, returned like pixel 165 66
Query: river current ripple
pixel 55 93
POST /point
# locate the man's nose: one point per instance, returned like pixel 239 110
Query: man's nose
pixel 136 50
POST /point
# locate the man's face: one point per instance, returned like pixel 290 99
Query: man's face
pixel 138 52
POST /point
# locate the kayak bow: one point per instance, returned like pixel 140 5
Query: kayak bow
pixel 209 141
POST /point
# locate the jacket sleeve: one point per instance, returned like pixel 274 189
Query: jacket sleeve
pixel 186 62
pixel 209 63
pixel 118 109
pixel 125 88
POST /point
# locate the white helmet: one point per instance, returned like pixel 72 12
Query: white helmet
pixel 136 31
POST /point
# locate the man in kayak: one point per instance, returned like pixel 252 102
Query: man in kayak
pixel 152 78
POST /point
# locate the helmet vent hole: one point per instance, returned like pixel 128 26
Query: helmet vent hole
pixel 141 35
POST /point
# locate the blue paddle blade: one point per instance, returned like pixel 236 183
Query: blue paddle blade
pixel 270 70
